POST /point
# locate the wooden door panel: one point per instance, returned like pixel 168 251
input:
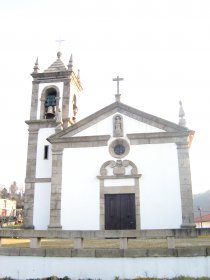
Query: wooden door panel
pixel 120 211
pixel 112 211
pixel 128 215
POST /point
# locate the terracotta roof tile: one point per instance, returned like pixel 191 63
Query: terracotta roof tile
pixel 205 218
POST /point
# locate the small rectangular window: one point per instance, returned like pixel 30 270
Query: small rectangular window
pixel 46 151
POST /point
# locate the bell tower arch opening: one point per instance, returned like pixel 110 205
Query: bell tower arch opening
pixel 49 102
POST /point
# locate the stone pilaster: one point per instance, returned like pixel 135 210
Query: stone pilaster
pixel 30 177
pixel 185 185
pixel 34 101
pixel 65 105
pixel 55 200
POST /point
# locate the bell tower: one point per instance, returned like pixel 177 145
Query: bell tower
pixel 56 88
pixel 55 92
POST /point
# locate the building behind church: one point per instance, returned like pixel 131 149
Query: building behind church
pixel 7 208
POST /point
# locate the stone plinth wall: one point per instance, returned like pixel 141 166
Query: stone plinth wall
pixel 96 263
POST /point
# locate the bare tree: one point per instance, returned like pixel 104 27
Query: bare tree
pixel 4 193
pixel 13 189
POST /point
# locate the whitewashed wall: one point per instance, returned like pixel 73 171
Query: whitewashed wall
pixel 80 188
pixel 160 205
pixel 42 191
pixel 44 166
pixel 103 268
pixel 159 186
pixel 41 205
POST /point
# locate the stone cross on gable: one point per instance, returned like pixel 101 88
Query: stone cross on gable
pixel 118 79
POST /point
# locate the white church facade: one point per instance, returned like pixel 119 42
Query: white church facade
pixel 119 168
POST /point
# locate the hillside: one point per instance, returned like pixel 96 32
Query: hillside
pixel 201 200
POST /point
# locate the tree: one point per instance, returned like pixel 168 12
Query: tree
pixel 4 193
pixel 13 189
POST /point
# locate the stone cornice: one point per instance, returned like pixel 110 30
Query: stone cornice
pixel 82 141
pixel 94 234
pixel 160 137
pixel 37 124
pixel 51 76
pixel 105 177
pixel 149 119
pixel 38 180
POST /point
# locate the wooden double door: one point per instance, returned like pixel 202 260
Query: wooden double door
pixel 120 211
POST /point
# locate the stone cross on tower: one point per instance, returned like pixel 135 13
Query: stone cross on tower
pixel 118 79
pixel 60 41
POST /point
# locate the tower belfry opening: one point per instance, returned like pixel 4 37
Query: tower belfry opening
pixel 50 104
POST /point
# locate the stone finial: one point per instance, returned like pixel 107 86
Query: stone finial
pixel 182 120
pixel 36 66
pixel 59 54
pixel 70 65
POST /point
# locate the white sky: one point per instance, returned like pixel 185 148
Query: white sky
pixel 160 47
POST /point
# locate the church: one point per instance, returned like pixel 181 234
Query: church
pixel 118 168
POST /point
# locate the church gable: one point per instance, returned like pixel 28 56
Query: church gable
pixel 102 122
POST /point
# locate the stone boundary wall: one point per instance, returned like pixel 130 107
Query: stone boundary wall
pixel 79 250
pixel 106 253
pixel 101 234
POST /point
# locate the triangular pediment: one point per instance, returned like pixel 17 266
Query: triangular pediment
pixel 154 124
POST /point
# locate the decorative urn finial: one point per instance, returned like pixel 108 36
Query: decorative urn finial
pixel 59 54
pixel 182 120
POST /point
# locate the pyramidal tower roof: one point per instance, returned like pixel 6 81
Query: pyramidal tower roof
pixel 57 65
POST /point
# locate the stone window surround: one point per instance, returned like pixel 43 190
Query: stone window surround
pixel 116 142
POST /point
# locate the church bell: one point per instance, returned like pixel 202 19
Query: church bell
pixel 50 113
